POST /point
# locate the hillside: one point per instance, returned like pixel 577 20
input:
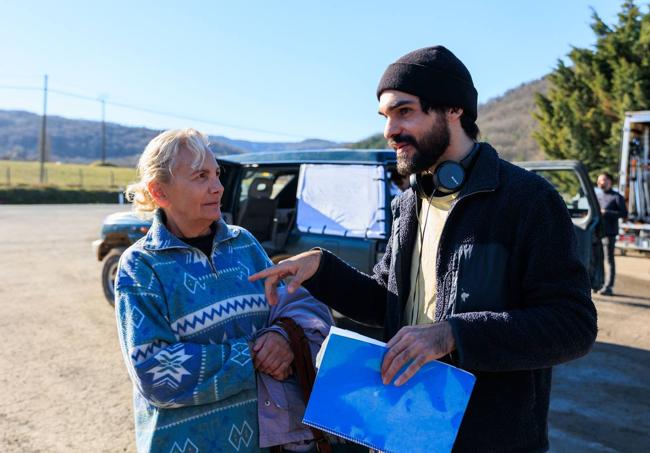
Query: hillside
pixel 376 141
pixel 253 147
pixel 71 140
pixel 506 122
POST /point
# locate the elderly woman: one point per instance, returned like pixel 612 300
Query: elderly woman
pixel 192 329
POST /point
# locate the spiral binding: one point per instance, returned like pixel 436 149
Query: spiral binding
pixel 346 437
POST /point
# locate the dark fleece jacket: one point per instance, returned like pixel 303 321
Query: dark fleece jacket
pixel 509 282
pixel 613 205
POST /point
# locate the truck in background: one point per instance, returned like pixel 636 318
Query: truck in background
pixel 634 181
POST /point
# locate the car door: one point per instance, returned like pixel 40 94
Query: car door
pixel 571 180
pixel 230 176
pixel 343 207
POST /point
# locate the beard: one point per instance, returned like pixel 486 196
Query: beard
pixel 427 149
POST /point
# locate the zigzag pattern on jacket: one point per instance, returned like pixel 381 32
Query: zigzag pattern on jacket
pixel 142 352
pixel 213 314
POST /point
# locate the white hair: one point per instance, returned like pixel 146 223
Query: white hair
pixel 157 163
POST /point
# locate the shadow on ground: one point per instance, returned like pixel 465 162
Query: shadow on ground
pixel 601 402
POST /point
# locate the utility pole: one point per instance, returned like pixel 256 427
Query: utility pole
pixel 103 130
pixel 44 131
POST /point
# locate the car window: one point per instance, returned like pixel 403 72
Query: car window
pixel 280 183
pixel 397 183
pixel 342 200
pixel 265 181
pixel 259 176
pixel 568 184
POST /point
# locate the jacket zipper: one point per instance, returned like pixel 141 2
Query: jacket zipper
pixel 444 308
pixel 214 269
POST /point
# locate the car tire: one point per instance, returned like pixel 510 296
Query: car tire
pixel 109 271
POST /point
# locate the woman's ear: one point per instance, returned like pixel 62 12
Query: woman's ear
pixel 158 193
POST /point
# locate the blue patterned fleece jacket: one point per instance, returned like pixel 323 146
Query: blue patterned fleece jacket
pixel 184 326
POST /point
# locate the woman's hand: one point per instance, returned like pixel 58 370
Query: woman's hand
pixel 272 355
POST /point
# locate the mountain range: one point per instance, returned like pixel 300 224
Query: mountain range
pixel 505 121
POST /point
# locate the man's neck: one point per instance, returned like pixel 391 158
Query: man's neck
pixel 456 151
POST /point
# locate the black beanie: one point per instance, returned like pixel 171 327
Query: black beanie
pixel 435 75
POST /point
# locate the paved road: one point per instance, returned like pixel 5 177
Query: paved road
pixel 65 389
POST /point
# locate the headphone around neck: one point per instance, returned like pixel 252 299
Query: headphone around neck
pixel 448 177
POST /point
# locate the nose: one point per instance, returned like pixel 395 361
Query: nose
pixel 391 128
pixel 216 185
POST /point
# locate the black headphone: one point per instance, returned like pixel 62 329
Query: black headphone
pixel 448 177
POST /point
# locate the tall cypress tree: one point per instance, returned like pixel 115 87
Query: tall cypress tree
pixel 582 115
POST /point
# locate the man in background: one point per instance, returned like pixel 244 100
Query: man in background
pixel 612 207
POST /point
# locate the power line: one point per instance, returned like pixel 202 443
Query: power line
pixel 44 131
pixel 103 130
pixel 18 87
pixel 203 120
pixel 153 111
pixel 16 76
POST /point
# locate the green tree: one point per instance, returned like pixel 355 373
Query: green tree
pixel 582 115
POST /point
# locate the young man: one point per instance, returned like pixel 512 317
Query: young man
pixel 612 207
pixel 481 268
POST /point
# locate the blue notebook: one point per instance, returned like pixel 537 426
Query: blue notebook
pixel 350 400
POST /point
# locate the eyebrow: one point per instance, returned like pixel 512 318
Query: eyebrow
pixel 199 170
pixel 395 105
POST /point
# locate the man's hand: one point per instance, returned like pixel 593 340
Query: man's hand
pixel 418 345
pixel 272 355
pixel 300 267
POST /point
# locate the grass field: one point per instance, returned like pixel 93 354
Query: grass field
pixel 64 176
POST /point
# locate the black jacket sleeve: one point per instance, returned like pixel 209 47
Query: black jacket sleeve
pixel 622 209
pixel 347 290
pixel 556 320
pixel 619 211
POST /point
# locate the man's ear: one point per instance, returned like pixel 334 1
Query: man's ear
pixel 454 113
pixel 158 193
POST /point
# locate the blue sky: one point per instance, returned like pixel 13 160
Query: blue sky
pixel 277 71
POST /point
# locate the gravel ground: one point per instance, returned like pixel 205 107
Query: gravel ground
pixel 64 384
pixel 65 388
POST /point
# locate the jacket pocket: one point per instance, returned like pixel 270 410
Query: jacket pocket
pixel 481 280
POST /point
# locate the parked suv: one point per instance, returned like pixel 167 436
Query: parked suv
pixel 339 200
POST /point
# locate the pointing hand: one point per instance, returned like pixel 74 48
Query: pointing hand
pixel 299 267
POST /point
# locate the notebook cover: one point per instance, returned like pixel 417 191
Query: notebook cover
pixel 350 400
